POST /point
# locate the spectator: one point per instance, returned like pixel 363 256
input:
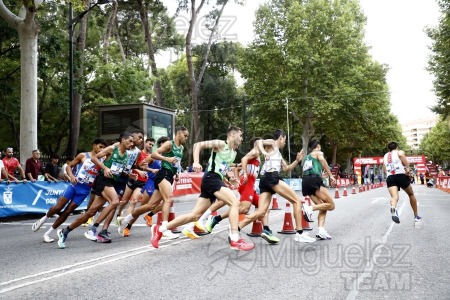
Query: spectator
pixel 430 183
pixel 33 166
pixel 372 177
pixel 380 177
pixel 11 164
pixel 422 178
pixel 51 169
pixel 3 173
pixel 63 172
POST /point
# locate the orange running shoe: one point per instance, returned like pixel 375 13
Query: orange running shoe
pixel 126 232
pixel 148 220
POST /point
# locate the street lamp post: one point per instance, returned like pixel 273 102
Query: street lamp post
pixel 72 23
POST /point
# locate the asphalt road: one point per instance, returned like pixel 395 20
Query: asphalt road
pixel 368 257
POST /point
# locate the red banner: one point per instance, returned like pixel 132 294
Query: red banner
pixel 188 183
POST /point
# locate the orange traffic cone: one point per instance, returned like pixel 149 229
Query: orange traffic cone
pixel 257 229
pixel 171 217
pixel 345 192
pixel 353 190
pixel 360 189
pixel 368 187
pixel 275 203
pixel 336 193
pixel 288 225
pixel 306 225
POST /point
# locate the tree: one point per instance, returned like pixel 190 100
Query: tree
pixel 439 62
pixel 435 144
pixel 311 55
pixel 196 79
pixel 28 30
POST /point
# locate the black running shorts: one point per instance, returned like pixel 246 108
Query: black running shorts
pixel 161 175
pixel 311 184
pixel 268 181
pixel 211 183
pixel 135 184
pixel 398 180
pixel 103 182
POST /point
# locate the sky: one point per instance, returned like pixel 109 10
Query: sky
pixel 394 33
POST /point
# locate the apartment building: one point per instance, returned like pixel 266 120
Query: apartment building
pixel 415 130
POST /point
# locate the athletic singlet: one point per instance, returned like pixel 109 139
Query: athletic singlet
pixel 393 163
pixel 86 172
pixel 116 163
pixel 175 152
pixel 154 165
pixel 132 156
pixel 312 166
pixel 142 155
pixel 252 168
pixel 219 162
pixel 273 162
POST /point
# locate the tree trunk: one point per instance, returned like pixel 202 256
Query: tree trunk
pixel 334 147
pixel 78 78
pixel 151 53
pixel 196 135
pixel 106 38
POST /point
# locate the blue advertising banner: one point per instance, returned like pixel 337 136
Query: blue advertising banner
pixel 31 197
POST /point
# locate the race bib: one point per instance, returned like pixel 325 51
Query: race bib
pixel 307 165
pixel 116 168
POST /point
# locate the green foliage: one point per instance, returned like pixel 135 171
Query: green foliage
pixel 439 62
pixel 435 145
pixel 313 54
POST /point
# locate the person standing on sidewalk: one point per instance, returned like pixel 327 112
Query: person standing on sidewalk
pixel 396 166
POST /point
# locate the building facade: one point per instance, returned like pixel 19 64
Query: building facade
pixel 415 131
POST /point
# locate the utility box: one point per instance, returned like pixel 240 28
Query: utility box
pixel 155 121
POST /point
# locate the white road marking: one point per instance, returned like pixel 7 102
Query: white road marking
pixel 367 271
pixel 92 263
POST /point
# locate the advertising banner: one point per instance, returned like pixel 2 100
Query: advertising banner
pixel 31 197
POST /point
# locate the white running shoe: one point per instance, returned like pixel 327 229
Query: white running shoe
pixel 169 235
pixel 121 225
pixel 394 213
pixel 304 238
pixel 91 234
pixel 322 234
pixel 48 239
pixel 38 224
pixel 307 213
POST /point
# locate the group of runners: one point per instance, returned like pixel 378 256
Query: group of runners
pixel 122 174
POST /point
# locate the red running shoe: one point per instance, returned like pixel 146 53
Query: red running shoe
pixel 241 244
pixel 156 236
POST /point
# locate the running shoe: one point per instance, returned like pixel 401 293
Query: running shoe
pixel 210 223
pixel 91 234
pixel 200 225
pixel 126 232
pixel 322 234
pixel 169 235
pixel 148 220
pixel 156 236
pixel 121 225
pixel 89 222
pixel 307 213
pixel 241 244
pixel 190 233
pixel 304 238
pixel 103 237
pixel 61 238
pixel 267 235
pixel 48 239
pixel 417 222
pixel 38 224
pixel 395 217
